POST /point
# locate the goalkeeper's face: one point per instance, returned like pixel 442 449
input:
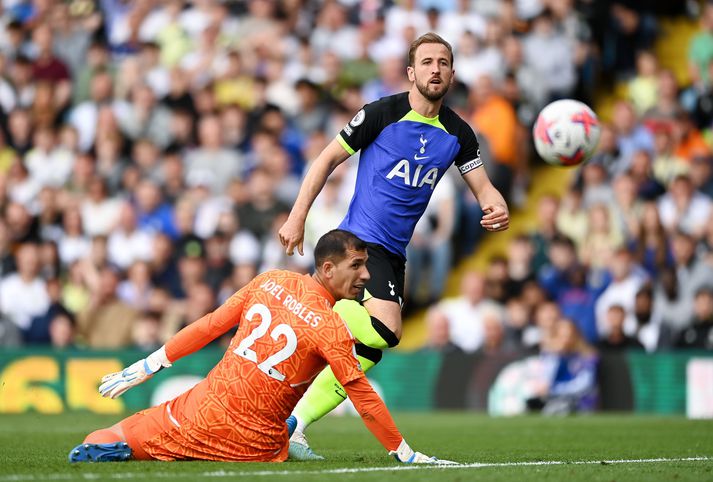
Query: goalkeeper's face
pixel 348 276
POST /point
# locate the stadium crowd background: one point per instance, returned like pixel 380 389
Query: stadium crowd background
pixel 149 151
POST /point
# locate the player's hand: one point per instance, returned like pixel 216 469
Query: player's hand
pixel 114 384
pixel 292 235
pixel 495 218
pixel 406 455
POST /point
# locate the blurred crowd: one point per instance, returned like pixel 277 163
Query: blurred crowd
pixel 149 151
pixel 622 260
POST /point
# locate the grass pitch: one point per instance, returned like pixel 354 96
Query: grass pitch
pixel 593 448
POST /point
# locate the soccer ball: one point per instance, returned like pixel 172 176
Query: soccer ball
pixel 566 133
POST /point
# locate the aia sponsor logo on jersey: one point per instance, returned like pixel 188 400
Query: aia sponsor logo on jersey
pixel 404 169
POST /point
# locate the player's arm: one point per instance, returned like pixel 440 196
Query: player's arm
pixel 189 340
pixel 496 215
pixel 292 233
pixel 378 420
pixel 342 358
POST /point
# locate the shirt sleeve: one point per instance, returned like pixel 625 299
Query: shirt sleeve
pixel 364 127
pixel 468 158
pixel 374 413
pixel 209 327
pixel 342 358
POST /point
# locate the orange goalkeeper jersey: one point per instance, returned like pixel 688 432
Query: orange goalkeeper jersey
pixel 287 333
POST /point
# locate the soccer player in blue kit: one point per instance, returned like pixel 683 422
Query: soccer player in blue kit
pixel 407 143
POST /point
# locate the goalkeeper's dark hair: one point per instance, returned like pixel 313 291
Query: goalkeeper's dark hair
pixel 333 246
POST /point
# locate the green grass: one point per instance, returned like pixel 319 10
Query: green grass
pixel 34 447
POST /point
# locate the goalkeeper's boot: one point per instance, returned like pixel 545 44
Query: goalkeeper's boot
pixel 111 452
pixel 299 448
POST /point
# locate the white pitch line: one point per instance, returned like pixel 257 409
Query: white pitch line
pixel 356 470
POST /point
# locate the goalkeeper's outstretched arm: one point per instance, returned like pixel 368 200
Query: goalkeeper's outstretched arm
pixel 189 340
pixel 378 420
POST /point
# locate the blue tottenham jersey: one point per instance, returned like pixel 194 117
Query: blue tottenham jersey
pixel 403 156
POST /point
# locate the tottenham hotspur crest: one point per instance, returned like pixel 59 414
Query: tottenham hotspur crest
pixel 422 150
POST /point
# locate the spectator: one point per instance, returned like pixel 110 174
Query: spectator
pixel 702 174
pixel 683 208
pixel 126 243
pixel 164 265
pixel 146 332
pixel 153 214
pixel 558 381
pixel 23 294
pixel 547 208
pixel 462 317
pixel 74 244
pixel 210 160
pixel 603 238
pixel 22 227
pixel 106 322
pixel 573 369
pixel 631 134
pixel 557 68
pixel 135 290
pixel 572 217
pixel 520 253
pixel 40 330
pixel 562 257
pixel 643 88
pixel 259 213
pixel 495 119
pixel 541 334
pixel 615 338
pixel 651 333
pixel 626 279
pixel 62 330
pixel 144 118
pixel 667 108
pixel 200 300
pixel 699 333
pixel 49 68
pixel 99 211
pixel 218 265
pixel 84 116
pixel 648 241
pixel 700 48
pixel 577 303
pixel 607 151
pixel 691 274
pixel 48 163
pixel 516 322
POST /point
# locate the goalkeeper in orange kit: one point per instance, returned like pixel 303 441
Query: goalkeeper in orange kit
pixel 287 334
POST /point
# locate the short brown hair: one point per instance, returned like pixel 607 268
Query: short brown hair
pixel 427 38
pixel 334 245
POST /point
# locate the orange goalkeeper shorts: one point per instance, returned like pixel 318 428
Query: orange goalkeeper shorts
pixel 145 425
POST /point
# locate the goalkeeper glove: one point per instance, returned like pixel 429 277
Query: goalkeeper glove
pixel 117 383
pixel 406 455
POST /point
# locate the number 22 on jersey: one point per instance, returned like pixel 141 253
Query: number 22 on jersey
pixel 268 365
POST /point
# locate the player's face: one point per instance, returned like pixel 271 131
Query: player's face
pixel 432 71
pixel 350 275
